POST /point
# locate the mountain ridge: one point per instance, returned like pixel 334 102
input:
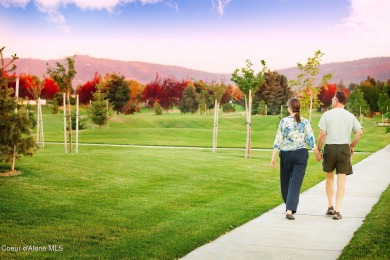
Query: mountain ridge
pixel 350 71
pixel 86 66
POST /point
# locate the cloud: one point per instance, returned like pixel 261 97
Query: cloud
pixel 220 5
pixel 14 3
pixel 52 7
pixel 369 16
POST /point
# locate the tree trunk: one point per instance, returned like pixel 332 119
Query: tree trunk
pixel 215 132
pixel 13 159
pixel 248 108
pixel 69 121
pixel 311 104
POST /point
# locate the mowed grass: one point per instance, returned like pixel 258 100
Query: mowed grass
pixel 371 240
pixel 143 203
pixel 171 129
pixel 175 129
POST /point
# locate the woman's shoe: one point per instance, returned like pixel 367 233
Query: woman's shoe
pixel 290 216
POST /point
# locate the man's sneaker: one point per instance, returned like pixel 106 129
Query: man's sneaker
pixel 337 216
pixel 330 211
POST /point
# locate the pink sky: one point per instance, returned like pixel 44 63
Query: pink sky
pixel 208 35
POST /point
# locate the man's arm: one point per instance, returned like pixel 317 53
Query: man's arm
pixel 321 139
pixel 358 135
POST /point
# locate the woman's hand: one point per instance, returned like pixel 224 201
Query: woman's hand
pixel 273 162
pixel 318 154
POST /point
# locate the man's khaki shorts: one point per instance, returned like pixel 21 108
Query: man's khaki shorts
pixel 337 156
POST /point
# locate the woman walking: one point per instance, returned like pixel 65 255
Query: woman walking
pixel 293 133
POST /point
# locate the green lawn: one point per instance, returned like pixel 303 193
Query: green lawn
pixel 175 129
pixel 144 203
pixel 371 240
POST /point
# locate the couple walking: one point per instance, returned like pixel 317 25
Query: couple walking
pixel 295 132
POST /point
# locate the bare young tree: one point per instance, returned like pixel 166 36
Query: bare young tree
pixel 63 76
pixel 248 82
pixel 307 80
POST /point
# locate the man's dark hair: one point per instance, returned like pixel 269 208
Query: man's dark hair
pixel 341 97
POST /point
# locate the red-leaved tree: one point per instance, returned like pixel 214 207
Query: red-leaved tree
pixel 27 85
pixel 326 94
pixel 166 91
pixel 50 89
pixel 232 94
pixel 86 91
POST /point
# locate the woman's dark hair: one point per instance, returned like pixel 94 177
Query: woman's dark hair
pixel 295 106
pixel 341 97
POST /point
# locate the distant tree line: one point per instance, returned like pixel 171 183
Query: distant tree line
pixel 196 96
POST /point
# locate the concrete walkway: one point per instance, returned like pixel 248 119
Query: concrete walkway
pixel 312 235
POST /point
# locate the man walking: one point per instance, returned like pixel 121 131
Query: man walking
pixel 336 126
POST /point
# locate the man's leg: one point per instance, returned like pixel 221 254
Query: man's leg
pixel 340 190
pixel 329 187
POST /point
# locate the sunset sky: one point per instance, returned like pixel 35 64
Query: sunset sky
pixel 207 35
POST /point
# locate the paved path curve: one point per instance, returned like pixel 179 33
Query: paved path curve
pixel 312 235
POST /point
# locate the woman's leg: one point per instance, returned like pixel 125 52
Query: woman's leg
pixel 300 158
pixel 285 172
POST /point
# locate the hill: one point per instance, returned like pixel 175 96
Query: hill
pixel 143 72
pixel 86 66
pixel 350 71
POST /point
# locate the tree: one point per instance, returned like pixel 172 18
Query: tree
pixel 166 91
pixel 134 103
pixel 98 111
pixel 35 88
pixel 118 91
pixel 189 101
pixel 327 94
pixel 15 126
pixel 63 76
pixel 50 89
pixel 29 86
pixel 157 108
pixel 204 94
pixel 248 82
pixel 86 91
pixel 356 103
pixel 307 80
pixel 341 85
pixel 370 89
pixel 218 90
pixel 383 104
pixel 274 91
pixel 231 94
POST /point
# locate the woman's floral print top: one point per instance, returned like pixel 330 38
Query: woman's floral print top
pixel 292 135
